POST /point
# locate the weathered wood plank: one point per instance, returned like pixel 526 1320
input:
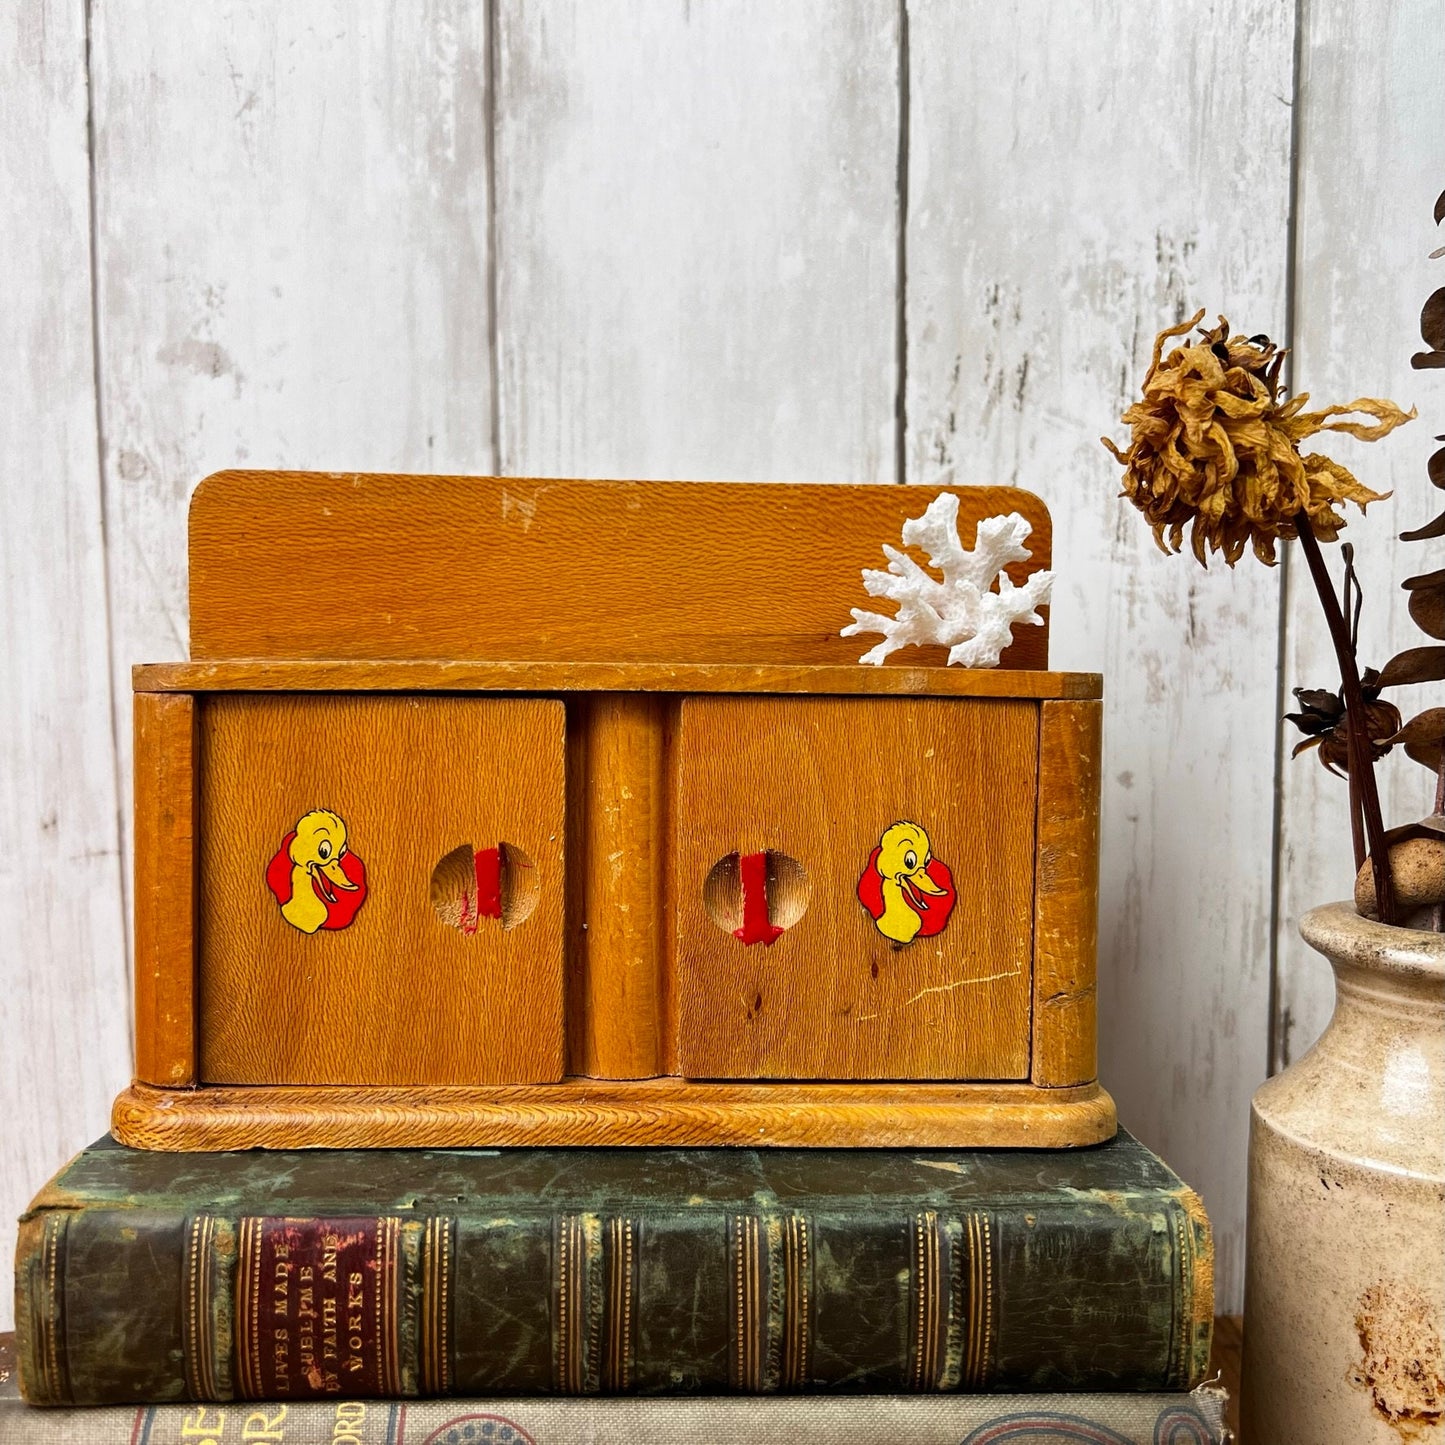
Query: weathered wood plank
pixel 64 1041
pixel 1371 162
pixel 1070 191
pixel 292 260
pixel 695 239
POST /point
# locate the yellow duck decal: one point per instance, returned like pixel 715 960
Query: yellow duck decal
pixel 908 892
pixel 318 881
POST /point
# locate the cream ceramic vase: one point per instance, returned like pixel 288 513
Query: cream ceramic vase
pixel 1345 1277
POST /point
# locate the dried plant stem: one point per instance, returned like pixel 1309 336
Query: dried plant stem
pixel 1362 763
pixel 1357 818
pixel 1437 918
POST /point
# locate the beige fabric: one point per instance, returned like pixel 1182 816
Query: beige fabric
pixel 818 1420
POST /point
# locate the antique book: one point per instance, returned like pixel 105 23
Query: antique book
pixel 153 1277
pixel 1152 1419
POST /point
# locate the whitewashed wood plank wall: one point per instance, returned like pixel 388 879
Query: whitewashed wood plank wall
pixel 868 241
pixel 1371 162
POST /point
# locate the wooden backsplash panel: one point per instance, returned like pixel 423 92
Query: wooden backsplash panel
pixel 541 570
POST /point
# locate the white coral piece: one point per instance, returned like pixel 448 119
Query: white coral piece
pixel 963 612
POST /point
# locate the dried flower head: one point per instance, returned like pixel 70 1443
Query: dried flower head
pixel 1214 448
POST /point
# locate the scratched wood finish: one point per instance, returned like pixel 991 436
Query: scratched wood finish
pixel 64 1010
pixel 1066 894
pixel 696 216
pixel 457 567
pixel 1072 188
pixel 167 814
pixel 400 996
pixel 1371 163
pixel 441 675
pixel 599 1112
pixel 617 869
pixel 820 780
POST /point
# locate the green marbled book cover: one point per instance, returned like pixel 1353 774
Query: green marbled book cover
pixel 312 1274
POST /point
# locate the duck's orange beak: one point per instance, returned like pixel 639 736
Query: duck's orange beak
pixel 324 875
pixel 915 884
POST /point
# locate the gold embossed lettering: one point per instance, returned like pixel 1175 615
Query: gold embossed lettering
pixel 280 1288
pixel 261 1426
pixel 306 1326
pixel 281 1359
pixel 350 1416
pixel 202 1431
pixel 355 1306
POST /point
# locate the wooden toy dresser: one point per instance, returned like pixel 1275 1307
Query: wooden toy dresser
pixel 495 812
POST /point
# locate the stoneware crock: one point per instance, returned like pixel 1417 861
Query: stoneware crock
pixel 1345 1277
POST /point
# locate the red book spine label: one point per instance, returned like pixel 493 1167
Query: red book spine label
pixel 316 1308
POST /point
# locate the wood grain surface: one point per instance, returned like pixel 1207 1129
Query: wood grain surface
pixel 167 820
pixel 820 780
pixel 398 996
pixel 696 241
pixel 601 1112
pixel 1066 894
pixel 441 675
pixel 458 567
pixel 617 883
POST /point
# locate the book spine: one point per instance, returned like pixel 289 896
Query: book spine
pixel 1092 1293
pixel 860 1420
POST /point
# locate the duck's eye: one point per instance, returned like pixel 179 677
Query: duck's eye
pixel 910 860
pixel 324 849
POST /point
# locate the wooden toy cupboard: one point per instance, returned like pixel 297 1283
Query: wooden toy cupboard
pixel 499 811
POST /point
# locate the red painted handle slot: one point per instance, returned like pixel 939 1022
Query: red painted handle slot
pixel 753 869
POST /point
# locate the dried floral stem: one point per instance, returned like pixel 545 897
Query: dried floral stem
pixel 1354 601
pixel 1357 815
pixel 1437 917
pixel 1362 765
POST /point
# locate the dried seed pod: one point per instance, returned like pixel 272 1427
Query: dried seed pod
pixel 1435 528
pixel 1427 601
pixel 1415 664
pixel 1432 332
pixel 1423 737
pixel 1323 720
pixel 1418 867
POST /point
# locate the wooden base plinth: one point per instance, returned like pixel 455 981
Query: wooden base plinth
pixel 581 1111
